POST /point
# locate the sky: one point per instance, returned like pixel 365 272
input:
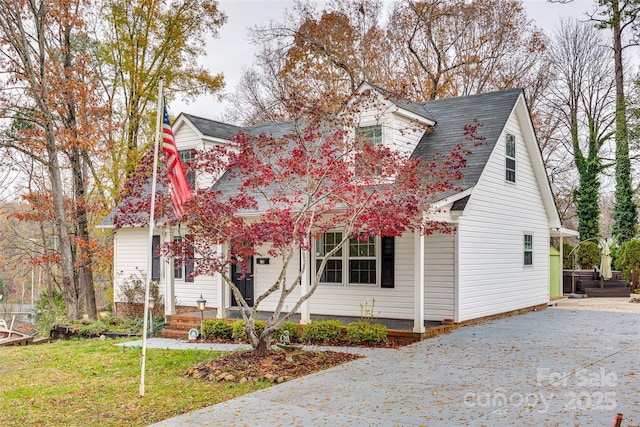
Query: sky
pixel 232 50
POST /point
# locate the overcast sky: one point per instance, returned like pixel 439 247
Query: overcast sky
pixel 232 51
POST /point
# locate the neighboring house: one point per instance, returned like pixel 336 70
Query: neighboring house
pixel 497 260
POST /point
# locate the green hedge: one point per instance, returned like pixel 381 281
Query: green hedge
pixel 238 329
pixel 216 329
pixel 321 330
pixel 363 331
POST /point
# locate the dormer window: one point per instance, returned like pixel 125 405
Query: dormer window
pixel 511 158
pixel 373 134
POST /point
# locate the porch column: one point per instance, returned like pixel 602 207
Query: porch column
pixel 169 283
pixel 561 265
pixel 221 296
pixel 305 311
pixel 418 282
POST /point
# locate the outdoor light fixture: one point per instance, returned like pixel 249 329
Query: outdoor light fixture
pixel 201 305
pixel 152 304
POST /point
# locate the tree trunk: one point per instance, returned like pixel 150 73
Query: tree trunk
pixel 264 344
pixel 624 215
pixel 69 290
pixel 86 296
pixel 83 253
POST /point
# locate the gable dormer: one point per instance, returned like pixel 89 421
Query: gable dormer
pixel 193 134
pixel 384 118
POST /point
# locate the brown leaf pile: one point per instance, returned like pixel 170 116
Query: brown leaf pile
pixel 248 366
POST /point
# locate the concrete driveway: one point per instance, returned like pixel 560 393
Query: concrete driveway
pixel 554 367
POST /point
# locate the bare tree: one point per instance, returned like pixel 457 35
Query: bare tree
pixel 582 96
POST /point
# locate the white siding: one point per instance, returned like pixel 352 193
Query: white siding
pixel 439 293
pixel 265 275
pixel 186 137
pixel 492 277
pixel 406 134
pixel 395 303
pixel 188 293
pixel 132 246
pixel 398 132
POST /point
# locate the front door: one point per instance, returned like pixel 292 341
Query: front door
pixel 243 283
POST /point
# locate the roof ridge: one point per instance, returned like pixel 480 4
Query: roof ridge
pixel 473 95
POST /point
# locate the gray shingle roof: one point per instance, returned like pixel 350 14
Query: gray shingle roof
pixel 491 110
pixel 213 128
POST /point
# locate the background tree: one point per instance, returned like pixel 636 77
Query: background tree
pixel 314 179
pixel 424 50
pixel 140 41
pixel 621 15
pixel 68 78
pixel 458 48
pixel 310 54
pixel 588 255
pixel 581 95
pixel 46 91
pixel 628 261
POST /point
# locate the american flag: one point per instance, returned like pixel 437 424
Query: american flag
pixel 180 190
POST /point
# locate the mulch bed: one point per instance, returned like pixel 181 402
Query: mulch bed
pixel 247 366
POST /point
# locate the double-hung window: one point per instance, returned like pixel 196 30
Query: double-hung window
pixel 510 158
pixel 528 249
pixel 183 270
pixel 361 261
pixel 373 135
pixel 186 157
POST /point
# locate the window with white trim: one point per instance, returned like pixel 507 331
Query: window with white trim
pixel 368 261
pixel 363 261
pixel 510 158
pixel 373 134
pixel 183 270
pixel 528 249
pixel 186 157
pixel 332 272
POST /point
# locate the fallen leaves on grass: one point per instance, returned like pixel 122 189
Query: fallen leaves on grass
pixel 249 366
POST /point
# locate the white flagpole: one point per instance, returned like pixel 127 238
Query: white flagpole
pixel 152 212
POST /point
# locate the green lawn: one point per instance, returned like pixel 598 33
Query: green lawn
pixel 84 382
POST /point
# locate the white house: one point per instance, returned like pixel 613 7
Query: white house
pixel 496 261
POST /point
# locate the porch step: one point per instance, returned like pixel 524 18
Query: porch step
pixel 179 326
pixel 611 292
pixel 606 284
pixel 172 333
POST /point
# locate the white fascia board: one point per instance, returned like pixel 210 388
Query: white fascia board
pixel 451 199
pixel 563 232
pixel 215 140
pixel 182 121
pixel 413 116
pixel 444 215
